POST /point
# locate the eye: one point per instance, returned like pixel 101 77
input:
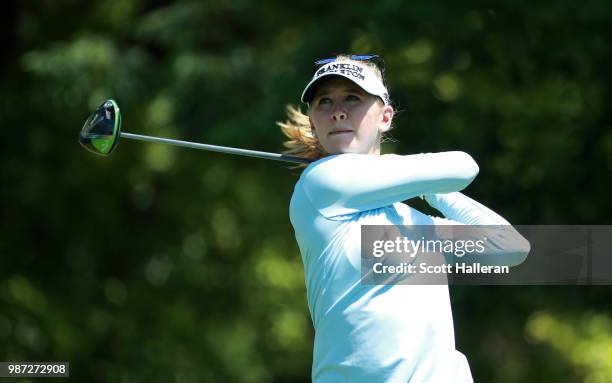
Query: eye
pixel 324 101
pixel 353 97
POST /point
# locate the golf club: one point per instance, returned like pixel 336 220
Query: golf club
pixel 101 132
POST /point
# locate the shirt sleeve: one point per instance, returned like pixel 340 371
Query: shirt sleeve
pixel 461 208
pixel 349 183
pixel 504 245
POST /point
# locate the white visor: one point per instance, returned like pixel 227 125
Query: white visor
pixel 361 75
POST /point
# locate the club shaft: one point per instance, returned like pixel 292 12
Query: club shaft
pixel 216 148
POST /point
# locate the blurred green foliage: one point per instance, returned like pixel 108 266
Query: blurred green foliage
pixel 160 264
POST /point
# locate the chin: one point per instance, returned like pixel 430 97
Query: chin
pixel 346 150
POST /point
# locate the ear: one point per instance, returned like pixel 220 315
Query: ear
pixel 386 117
pixel 312 127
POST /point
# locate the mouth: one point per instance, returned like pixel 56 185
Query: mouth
pixel 340 131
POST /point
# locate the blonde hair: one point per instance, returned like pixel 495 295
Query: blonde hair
pixel 297 128
pixel 302 142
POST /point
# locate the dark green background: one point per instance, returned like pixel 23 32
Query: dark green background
pixel 160 264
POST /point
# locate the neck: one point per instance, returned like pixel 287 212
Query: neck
pixel 375 148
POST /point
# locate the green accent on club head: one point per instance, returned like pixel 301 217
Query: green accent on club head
pixel 100 133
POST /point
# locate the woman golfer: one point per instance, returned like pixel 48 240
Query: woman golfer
pixel 372 333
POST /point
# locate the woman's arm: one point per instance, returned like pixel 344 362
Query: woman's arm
pixel 463 209
pixel 349 183
pixel 504 245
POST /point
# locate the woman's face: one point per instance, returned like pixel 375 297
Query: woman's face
pixel 346 119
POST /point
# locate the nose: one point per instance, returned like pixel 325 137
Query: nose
pixel 338 114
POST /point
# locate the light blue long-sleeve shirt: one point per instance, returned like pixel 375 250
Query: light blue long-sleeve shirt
pixel 380 333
